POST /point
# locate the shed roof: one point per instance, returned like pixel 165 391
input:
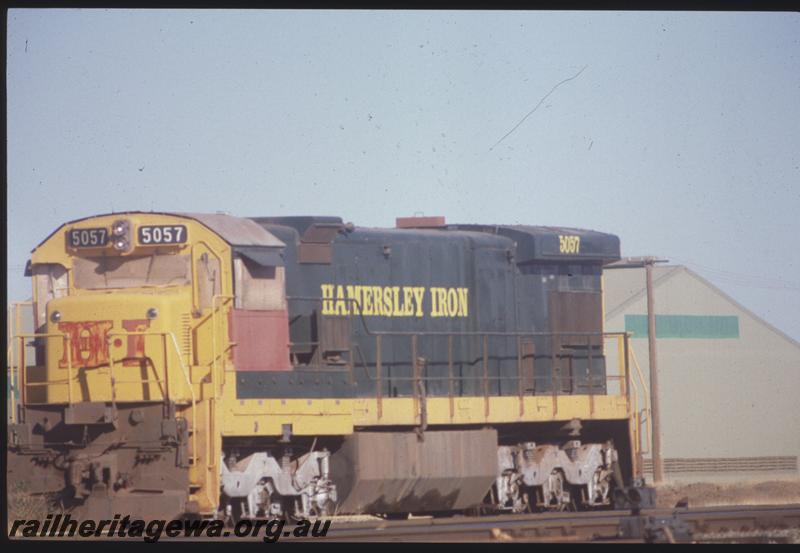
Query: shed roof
pixel 628 286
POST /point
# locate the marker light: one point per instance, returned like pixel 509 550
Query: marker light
pixel 55 316
pixel 152 313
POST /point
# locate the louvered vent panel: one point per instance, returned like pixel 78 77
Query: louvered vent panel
pixel 722 464
pixel 186 337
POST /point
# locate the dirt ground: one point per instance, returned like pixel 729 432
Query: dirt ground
pixel 746 493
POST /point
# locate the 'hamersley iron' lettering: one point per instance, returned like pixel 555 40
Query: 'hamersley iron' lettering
pixel 394 301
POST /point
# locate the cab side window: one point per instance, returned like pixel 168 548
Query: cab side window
pixel 50 281
pixel 208 280
pixel 258 287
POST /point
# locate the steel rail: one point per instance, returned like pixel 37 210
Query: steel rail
pixel 582 526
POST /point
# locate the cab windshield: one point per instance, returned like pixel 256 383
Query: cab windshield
pixel 97 273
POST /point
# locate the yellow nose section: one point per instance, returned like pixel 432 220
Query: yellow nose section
pixel 116 347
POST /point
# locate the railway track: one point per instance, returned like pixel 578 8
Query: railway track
pixel 745 523
pixel 740 524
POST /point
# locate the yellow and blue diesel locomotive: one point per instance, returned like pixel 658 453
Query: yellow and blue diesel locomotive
pixel 273 366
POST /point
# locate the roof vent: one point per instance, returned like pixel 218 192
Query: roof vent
pixel 420 222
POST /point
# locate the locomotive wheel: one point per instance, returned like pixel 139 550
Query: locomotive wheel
pixel 237 511
pixel 526 501
pixel 558 489
pixel 328 509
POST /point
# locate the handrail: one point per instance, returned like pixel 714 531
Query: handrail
pixel 482 378
pixel 165 392
pixel 226 350
pixel 195 290
pixel 69 379
pixel 188 379
pixel 646 394
pixel 10 363
pixel 17 368
pixel 214 325
pixel 184 370
pixel 22 364
pixel 211 458
pixel 216 393
pixel 14 329
pixel 375 378
pixel 485 335
pixel 210 314
pixel 633 413
pixel 641 379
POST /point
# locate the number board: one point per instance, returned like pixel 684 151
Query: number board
pixel 87 237
pixel 569 244
pixel 154 235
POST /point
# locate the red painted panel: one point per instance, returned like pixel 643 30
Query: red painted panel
pixel 262 340
pixel 135 354
pixel 88 342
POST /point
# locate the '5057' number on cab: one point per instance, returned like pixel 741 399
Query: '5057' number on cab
pixel 569 244
pixel 87 237
pixel 162 234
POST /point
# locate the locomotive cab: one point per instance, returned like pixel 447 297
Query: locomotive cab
pixel 136 315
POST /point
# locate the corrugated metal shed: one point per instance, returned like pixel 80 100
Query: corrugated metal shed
pixel 728 380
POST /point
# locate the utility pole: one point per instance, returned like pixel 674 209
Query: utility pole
pixel 658 465
pixel 647 263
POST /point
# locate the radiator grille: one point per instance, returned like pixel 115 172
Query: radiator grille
pixel 729 464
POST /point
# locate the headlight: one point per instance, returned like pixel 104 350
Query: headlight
pixel 120 228
pixel 55 316
pixel 152 313
pixel 121 235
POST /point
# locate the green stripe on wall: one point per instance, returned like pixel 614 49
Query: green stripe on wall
pixel 685 326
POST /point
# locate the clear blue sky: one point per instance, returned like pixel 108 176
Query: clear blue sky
pixel 682 135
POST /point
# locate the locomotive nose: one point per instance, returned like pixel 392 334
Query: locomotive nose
pixel 99 337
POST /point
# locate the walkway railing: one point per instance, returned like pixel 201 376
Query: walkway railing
pixel 20 385
pixel 561 348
